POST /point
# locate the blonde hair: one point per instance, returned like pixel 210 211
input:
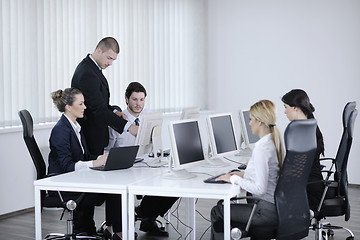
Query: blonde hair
pixel 265 112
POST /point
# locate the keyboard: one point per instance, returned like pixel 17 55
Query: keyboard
pixel 212 179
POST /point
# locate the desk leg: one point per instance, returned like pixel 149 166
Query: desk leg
pixel 124 217
pixel 131 216
pixel 227 218
pixel 37 214
pixel 190 217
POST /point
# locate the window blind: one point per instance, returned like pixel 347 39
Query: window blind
pixel 163 46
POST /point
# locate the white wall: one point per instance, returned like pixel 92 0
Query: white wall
pixel 263 49
pixel 17 171
pixel 257 49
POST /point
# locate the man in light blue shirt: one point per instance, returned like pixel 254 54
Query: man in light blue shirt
pixel 135 100
pixel 151 206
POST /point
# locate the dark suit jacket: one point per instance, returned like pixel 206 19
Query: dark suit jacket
pixel 99 114
pixel 65 149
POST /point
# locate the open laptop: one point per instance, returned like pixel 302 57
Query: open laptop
pixel 119 158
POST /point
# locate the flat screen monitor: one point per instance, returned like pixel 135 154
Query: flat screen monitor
pixel 190 113
pixel 248 137
pixel 222 135
pixel 186 144
pixel 149 134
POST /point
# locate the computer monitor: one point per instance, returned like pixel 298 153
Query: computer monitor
pixel 186 147
pixel 222 135
pixel 149 134
pixel 248 137
pixel 190 113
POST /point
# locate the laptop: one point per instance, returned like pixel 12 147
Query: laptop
pixel 119 158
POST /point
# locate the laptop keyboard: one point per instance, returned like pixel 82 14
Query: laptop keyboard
pixel 97 168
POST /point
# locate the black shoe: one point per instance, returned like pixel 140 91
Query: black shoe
pixel 116 237
pixel 152 229
pixel 106 234
pixel 138 212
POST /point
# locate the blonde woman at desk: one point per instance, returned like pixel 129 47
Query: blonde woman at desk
pixel 68 152
pixel 260 176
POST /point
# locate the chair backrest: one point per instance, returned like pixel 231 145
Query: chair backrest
pixel 290 193
pixel 342 175
pixel 343 145
pixel 31 144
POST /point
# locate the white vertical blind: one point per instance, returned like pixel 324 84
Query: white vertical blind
pixel 162 46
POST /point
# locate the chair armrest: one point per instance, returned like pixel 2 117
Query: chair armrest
pixel 329 183
pixel 327 159
pixel 256 200
pixel 51 175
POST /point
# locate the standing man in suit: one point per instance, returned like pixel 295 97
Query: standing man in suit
pixel 88 78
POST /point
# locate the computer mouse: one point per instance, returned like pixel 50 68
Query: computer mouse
pixel 234 170
pixel 242 166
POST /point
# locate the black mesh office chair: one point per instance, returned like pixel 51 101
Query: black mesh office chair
pixel 348 109
pixel 335 201
pixel 290 194
pixel 48 200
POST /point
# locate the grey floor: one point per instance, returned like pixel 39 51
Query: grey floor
pixel 21 226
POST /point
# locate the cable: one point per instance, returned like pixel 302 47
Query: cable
pixel 203 234
pixel 202 173
pixel 230 160
pixel 148 165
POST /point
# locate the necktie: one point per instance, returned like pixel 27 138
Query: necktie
pixel 136 121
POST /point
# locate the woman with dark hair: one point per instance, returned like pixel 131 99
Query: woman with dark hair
pixel 297 106
pixel 69 152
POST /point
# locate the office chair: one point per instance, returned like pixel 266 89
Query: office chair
pixel 335 201
pixel 48 200
pixel 348 109
pixel 290 196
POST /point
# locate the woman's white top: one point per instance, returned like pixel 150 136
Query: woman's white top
pixel 261 174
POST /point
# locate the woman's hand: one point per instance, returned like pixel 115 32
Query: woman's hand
pixel 226 177
pixel 101 160
pixel 238 173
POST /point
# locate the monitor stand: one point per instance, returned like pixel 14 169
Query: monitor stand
pixel 215 162
pixel 181 174
pixel 244 152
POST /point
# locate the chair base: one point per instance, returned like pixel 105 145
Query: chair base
pixel 59 236
pixel 326 230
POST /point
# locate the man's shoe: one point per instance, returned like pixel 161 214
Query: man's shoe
pixel 152 229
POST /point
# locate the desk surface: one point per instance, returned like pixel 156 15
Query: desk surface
pixel 160 185
pixel 89 180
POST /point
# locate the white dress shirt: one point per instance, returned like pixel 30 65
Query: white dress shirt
pixel 125 139
pixel 261 174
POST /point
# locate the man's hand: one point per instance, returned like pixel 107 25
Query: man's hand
pixel 133 129
pixel 121 114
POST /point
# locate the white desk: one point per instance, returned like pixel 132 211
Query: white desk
pixel 139 181
pixel 188 188
pixel 115 182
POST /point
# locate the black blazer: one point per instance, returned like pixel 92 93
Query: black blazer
pixel 99 114
pixel 65 149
